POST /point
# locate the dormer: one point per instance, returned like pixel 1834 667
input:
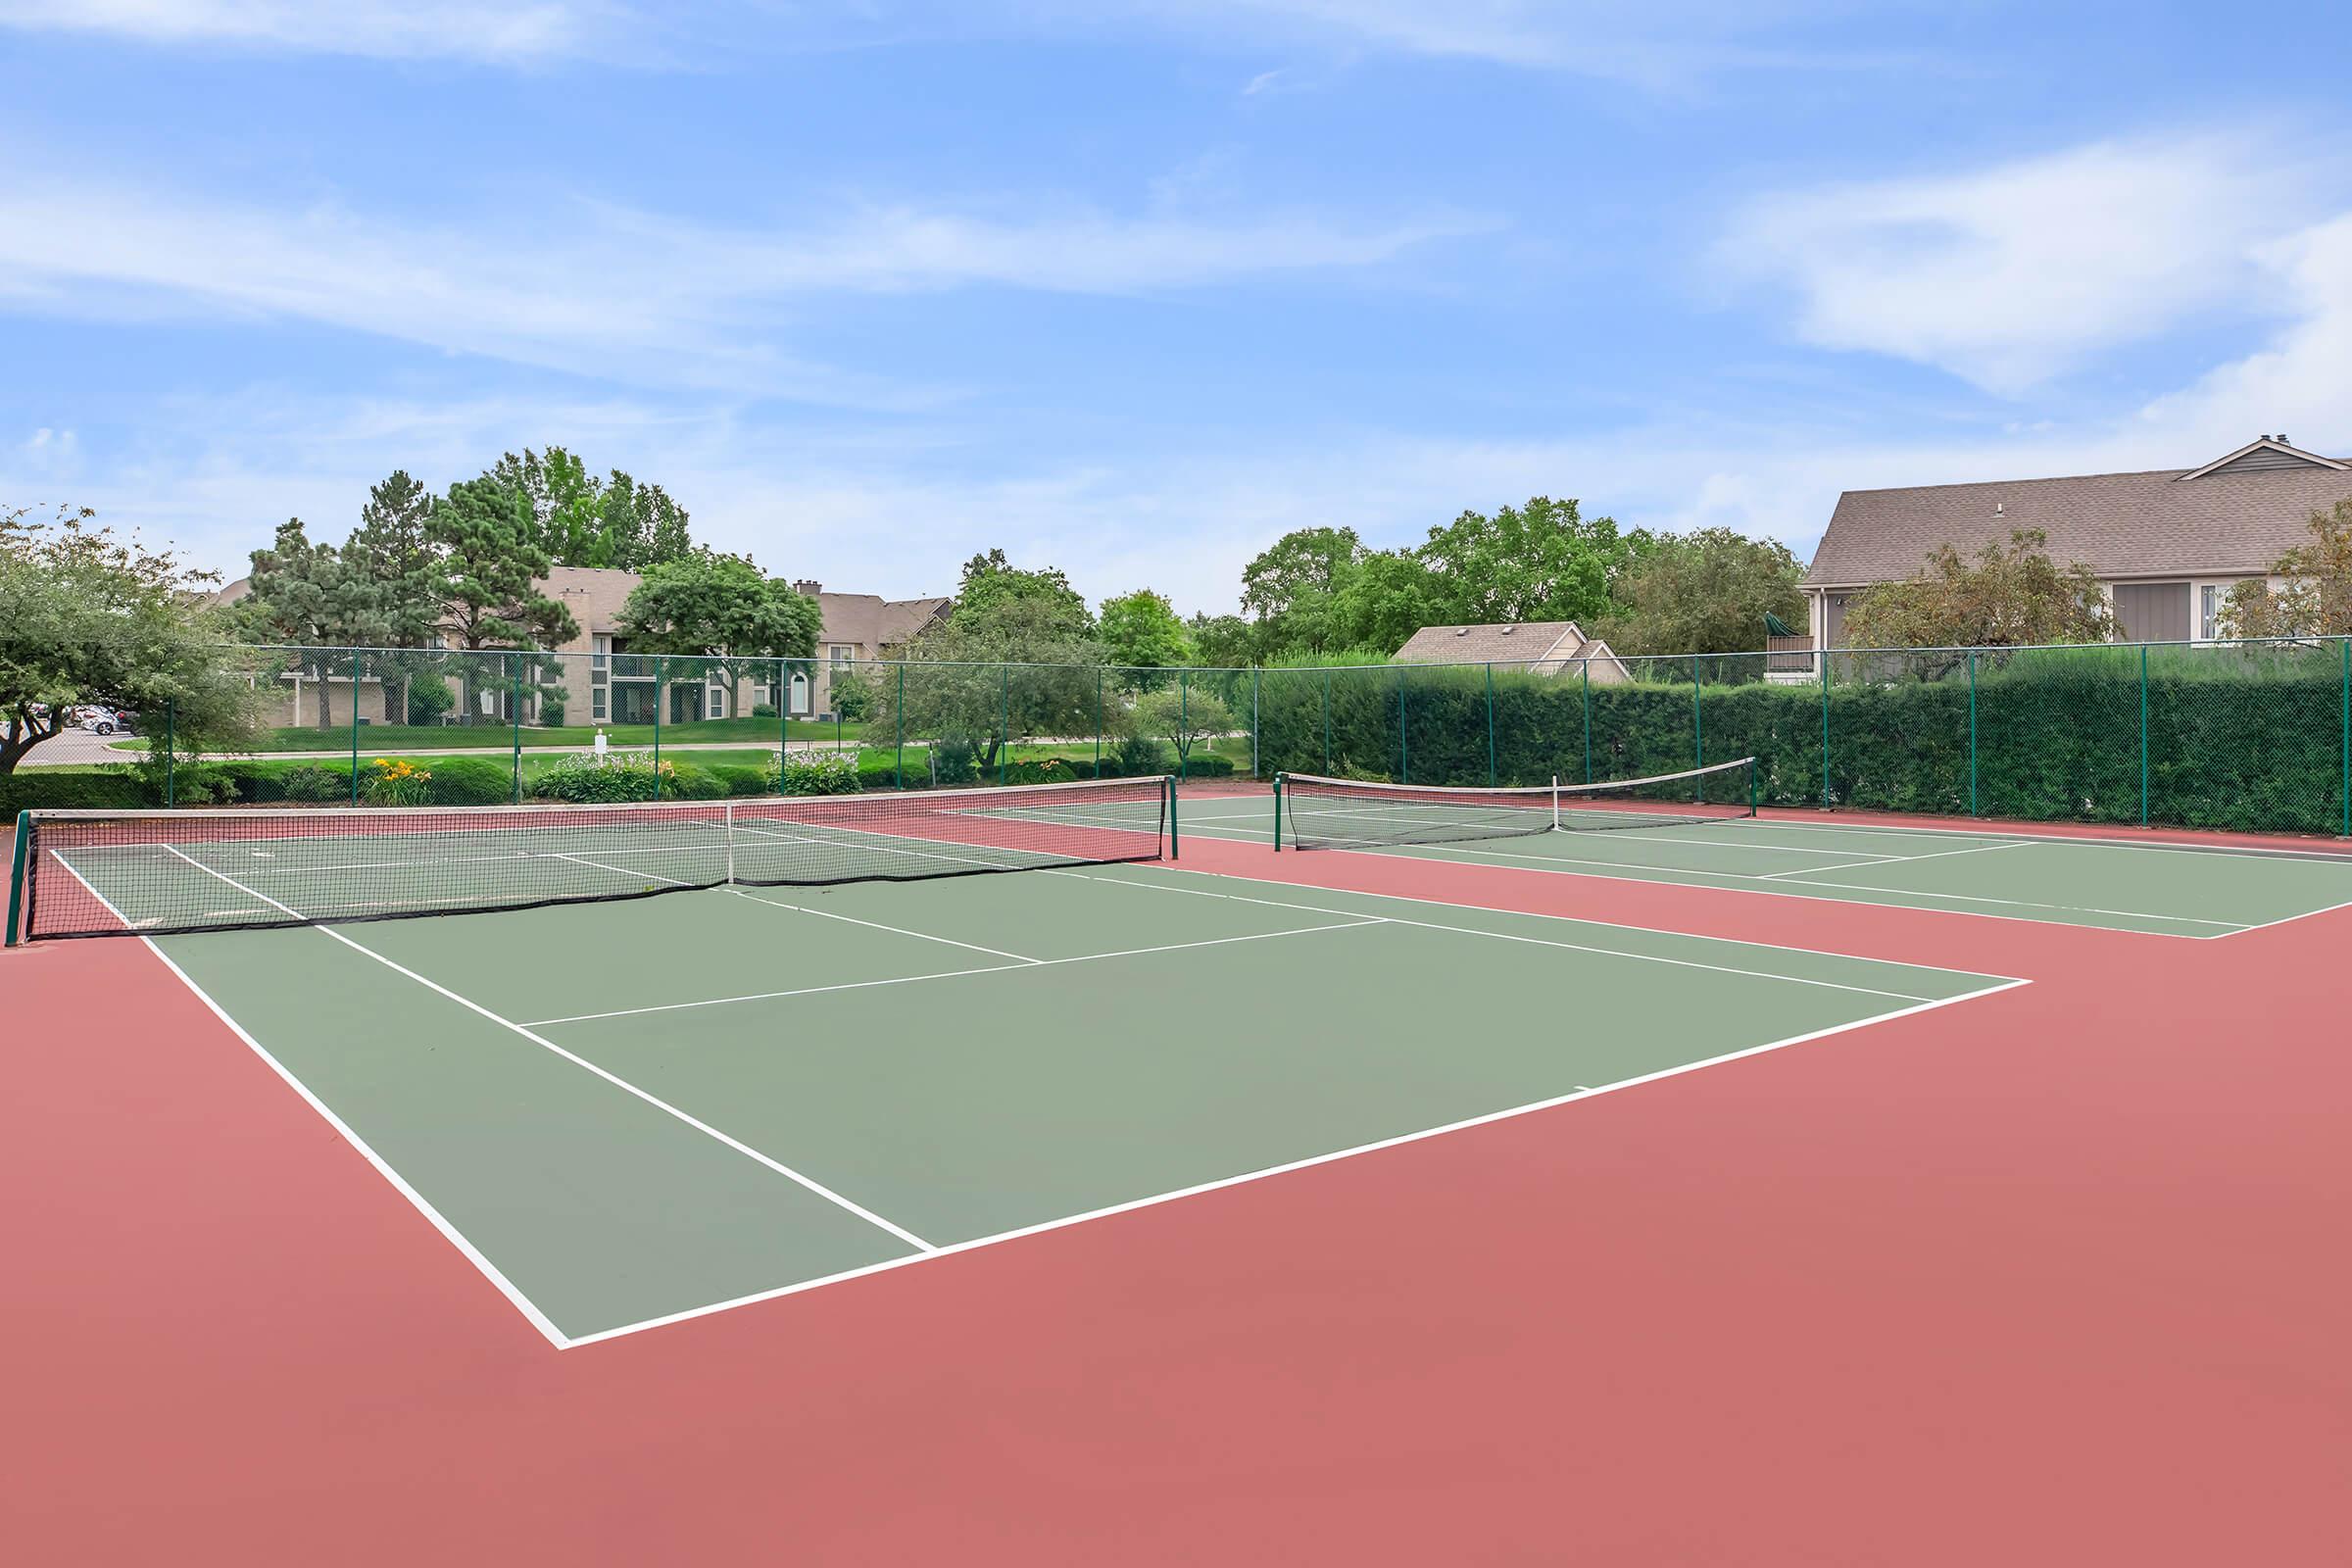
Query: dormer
pixel 2268 454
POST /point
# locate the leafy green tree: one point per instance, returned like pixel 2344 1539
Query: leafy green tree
pixel 1221 642
pixel 991 583
pixel 2314 598
pixel 313 604
pixel 1390 595
pixel 724 609
pixel 1998 598
pixel 1541 562
pixel 393 548
pixel 1704 592
pixel 1292 588
pixel 956 692
pixel 489 567
pixel 1143 630
pixel 581 520
pixel 1185 719
pixel 88 618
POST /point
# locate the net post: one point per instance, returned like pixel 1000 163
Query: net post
pixel 513 701
pixel 727 825
pixel 1278 814
pixel 1489 724
pixel 1170 786
pixel 897 766
pixel 16 876
pixel 660 665
pixel 1751 786
pixel 1004 720
pixel 2143 734
pixel 172 754
pixel 1555 802
pixel 1972 732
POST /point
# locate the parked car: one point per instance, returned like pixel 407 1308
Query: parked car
pixel 102 719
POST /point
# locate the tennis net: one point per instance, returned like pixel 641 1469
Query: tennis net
pixel 1335 814
pixel 147 873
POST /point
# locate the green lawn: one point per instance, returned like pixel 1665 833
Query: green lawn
pixel 380 738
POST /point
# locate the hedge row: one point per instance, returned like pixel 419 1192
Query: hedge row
pixel 2254 742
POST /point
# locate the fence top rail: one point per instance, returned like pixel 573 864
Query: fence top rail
pixel 2201 644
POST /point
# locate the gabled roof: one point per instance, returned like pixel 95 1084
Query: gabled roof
pixel 871 621
pixel 2233 516
pixel 1496 643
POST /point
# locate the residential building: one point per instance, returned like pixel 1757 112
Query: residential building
pixel 1551 646
pixel 2166 544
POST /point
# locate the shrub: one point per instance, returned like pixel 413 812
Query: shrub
pixel 471 781
pixel 551 702
pixel 763 710
pixel 50 789
pixel 397 781
pixel 310 783
pixel 741 780
pixel 1138 756
pixel 429 697
pixel 584 779
pixel 1039 770
pixel 1204 765
pixel 818 774
pixel 954 760
pixel 685 781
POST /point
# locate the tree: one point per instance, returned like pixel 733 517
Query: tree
pixel 1704 592
pixel 1390 595
pixel 1292 588
pixel 1998 598
pixel 1542 561
pixel 1221 642
pixel 393 548
pixel 308 600
pixel 581 520
pixel 1142 630
pixel 991 582
pixel 1183 719
pixel 2314 598
pixel 488 571
pixel 723 609
pixel 87 617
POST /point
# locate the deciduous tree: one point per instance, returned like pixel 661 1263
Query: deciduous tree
pixel 2000 597
pixel 2314 598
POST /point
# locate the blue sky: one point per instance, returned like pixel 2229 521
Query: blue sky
pixel 1132 287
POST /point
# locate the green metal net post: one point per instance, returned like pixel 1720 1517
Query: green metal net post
pixel 897 766
pixel 1972 732
pixel 1174 850
pixel 16 876
pixel 514 700
pixel 1278 814
pixel 1489 726
pixel 2143 734
pixel 660 665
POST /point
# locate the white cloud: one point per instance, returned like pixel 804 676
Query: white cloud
pixel 2010 275
pixel 491 30
pixel 618 291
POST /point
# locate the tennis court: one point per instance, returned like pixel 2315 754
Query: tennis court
pixel 1715 840
pixel 627 1112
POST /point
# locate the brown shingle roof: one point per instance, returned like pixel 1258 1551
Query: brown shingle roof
pixel 1494 643
pixel 873 622
pixel 2231 521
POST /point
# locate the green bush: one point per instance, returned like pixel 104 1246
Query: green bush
pixel 429 697
pixel 741 780
pixel 687 781
pixel 553 701
pixel 471 781
pixel 583 779
pixel 764 710
pixel 52 789
pixel 954 760
pixel 310 783
pixel 1204 765
pixel 398 781
pixel 1139 756
pixel 1039 770
pixel 819 773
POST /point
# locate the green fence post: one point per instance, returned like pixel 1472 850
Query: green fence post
pixel 897 766
pixel 16 876
pixel 1184 723
pixel 1587 671
pixel 1254 748
pixel 1327 722
pixel 2346 647
pixel 1004 718
pixel 1699 733
pixel 1824 729
pixel 781 687
pixel 1098 723
pixel 1405 753
pixel 355 729
pixel 171 752
pixel 1972 732
pixel 1489 725
pixel 2143 734
pixel 515 699
pixel 660 667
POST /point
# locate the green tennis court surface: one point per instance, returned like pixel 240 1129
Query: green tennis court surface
pixel 631 1111
pixel 2191 891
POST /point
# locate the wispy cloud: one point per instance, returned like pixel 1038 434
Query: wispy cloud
pixel 620 290
pixel 2012 274
pixel 489 30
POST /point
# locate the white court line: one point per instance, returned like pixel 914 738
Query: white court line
pixel 1876 861
pixel 957 974
pixel 1541 942
pixel 1635 871
pixel 343 1129
pixel 613 1078
pixel 876 925
pixel 1223 1182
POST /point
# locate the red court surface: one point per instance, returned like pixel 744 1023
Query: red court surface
pixel 2055 1277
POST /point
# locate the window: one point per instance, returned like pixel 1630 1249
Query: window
pixel 843 653
pixel 799 692
pixel 596 695
pixel 2209 605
